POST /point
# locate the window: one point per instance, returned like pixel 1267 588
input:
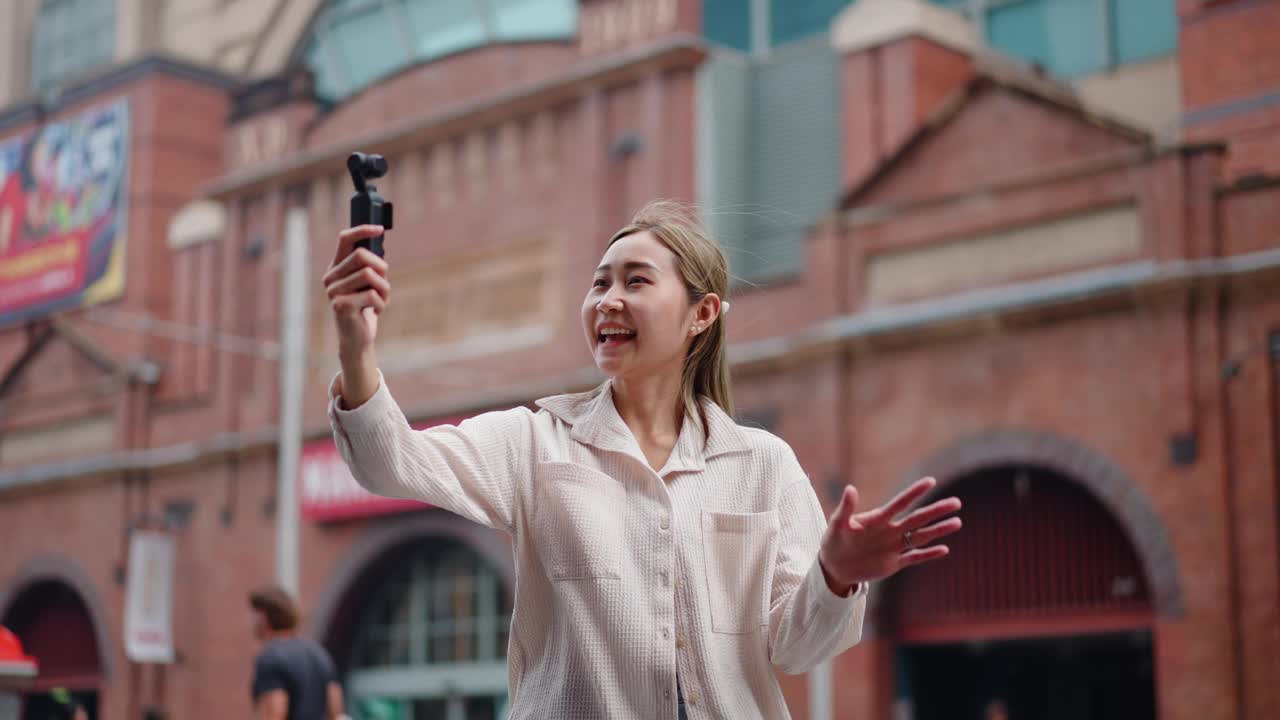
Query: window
pixel 795 19
pixel 769 153
pixel 757 25
pixel 769 130
pixel 1069 38
pixel 533 19
pixel 432 640
pixel 444 606
pixel 1143 29
pixel 354 43
pixel 728 23
pixel 71 37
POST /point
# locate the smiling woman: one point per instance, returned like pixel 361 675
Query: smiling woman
pixel 664 271
pixel 667 557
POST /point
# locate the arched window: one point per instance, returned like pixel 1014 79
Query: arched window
pixel 71 37
pixel 432 639
pixel 55 626
pixel 1043 606
pixel 353 43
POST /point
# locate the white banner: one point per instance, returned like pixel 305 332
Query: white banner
pixel 148 613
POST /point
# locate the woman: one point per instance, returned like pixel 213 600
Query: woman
pixel 666 558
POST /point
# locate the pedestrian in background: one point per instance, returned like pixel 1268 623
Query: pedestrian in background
pixel 293 677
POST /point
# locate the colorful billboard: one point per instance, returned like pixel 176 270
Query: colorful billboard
pixel 62 214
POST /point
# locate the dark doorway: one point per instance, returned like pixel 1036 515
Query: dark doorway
pixel 1092 677
pixel 54 625
pixel 44 707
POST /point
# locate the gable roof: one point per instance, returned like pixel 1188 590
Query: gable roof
pixel 997 75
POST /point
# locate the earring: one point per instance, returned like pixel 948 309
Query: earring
pixel 693 329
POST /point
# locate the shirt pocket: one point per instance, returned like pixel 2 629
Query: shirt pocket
pixel 740 551
pixel 578 521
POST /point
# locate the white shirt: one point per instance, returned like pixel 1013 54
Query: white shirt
pixel 626 577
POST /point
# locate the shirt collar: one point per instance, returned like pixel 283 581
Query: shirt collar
pixel 595 421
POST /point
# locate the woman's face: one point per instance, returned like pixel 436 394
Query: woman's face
pixel 637 314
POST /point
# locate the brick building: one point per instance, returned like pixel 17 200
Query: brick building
pixel 991 247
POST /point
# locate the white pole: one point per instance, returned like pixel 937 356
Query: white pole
pixel 294 270
pixel 820 700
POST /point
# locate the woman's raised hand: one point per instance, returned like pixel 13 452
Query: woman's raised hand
pixel 358 290
pixel 861 547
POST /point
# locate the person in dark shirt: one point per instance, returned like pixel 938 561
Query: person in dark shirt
pixel 293 677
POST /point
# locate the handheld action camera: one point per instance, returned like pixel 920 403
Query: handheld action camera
pixel 367 206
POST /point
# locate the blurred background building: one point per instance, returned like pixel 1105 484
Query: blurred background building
pixel 1028 246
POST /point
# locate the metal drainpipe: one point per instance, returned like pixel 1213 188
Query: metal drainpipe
pixel 844 385
pixel 1219 286
pixel 1228 494
pixel 293 367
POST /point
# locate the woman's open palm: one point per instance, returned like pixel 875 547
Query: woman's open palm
pixel 864 546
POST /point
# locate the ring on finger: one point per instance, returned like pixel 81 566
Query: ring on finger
pixel 907 542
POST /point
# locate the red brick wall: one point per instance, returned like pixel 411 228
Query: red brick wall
pixel 1000 136
pixel 1250 135
pixel 1229 54
pixel 887 92
pixel 1090 381
pixel 218 563
pixel 1252 400
pixel 1228 50
pixel 80 523
pixel 588 197
pixel 425 90
pixel 1250 219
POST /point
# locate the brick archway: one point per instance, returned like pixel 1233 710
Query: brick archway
pixel 390 533
pixel 52 568
pixel 1082 465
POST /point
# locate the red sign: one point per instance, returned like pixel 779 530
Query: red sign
pixel 327 490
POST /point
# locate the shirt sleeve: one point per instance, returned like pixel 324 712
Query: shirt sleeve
pixel 807 622
pixel 268 675
pixel 470 469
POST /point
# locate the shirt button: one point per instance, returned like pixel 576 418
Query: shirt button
pixel 679 642
pixel 694 697
pixel 666 694
pixel 666 523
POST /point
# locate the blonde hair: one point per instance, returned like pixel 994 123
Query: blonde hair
pixel 705 270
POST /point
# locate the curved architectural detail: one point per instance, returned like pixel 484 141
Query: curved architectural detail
pixel 1102 478
pixel 52 568
pixel 398 531
pixel 352 44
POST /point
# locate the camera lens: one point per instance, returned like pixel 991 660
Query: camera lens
pixel 367 166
